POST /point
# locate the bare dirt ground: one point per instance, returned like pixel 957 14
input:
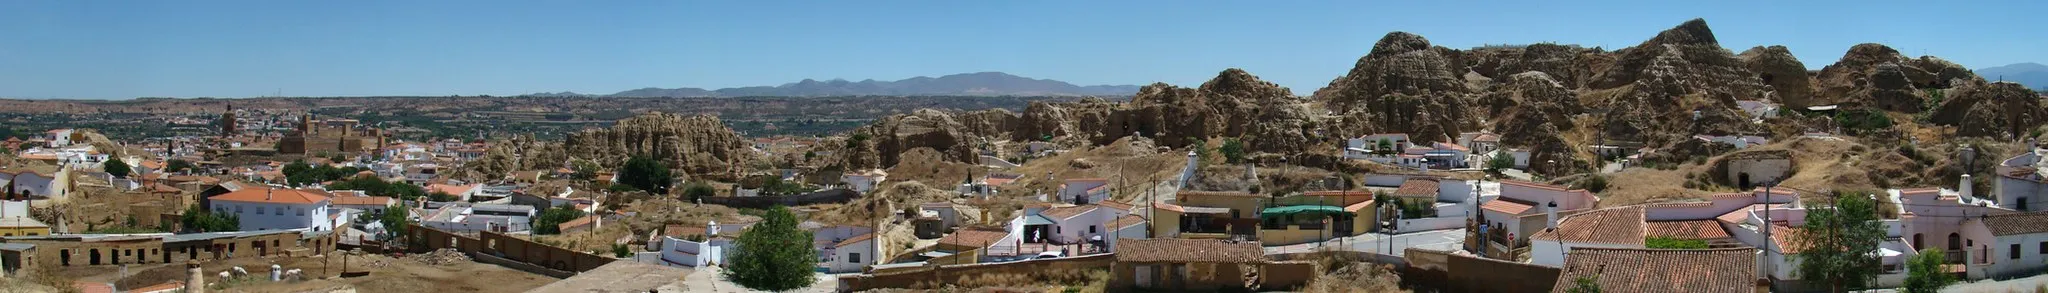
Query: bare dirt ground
pixel 387 274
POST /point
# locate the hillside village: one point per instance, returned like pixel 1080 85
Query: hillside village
pixel 1675 165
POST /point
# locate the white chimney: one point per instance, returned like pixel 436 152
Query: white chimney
pixel 1965 188
pixel 1550 211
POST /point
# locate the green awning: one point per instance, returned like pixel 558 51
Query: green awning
pixel 1289 210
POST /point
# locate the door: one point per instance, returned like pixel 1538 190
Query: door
pixel 1144 276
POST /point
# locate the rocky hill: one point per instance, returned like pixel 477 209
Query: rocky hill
pixel 697 145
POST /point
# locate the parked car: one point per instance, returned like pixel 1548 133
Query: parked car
pixel 1051 254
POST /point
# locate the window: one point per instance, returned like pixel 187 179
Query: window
pixel 2013 253
pixel 853 257
pixel 2044 247
pixel 302 212
pixel 1091 229
pixel 1056 229
pixel 238 209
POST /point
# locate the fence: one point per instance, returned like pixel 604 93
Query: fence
pixel 762 202
pixel 1449 272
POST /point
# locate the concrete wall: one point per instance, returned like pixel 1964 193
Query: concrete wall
pixel 508 247
pixel 1457 273
pixel 152 250
pixel 852 258
pixel 927 276
pixel 2032 256
pixel 1429 224
pixel 2012 191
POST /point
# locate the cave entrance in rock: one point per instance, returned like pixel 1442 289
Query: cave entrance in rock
pixel 1766 77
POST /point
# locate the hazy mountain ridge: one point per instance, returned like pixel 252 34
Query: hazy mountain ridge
pixel 2034 75
pixel 970 84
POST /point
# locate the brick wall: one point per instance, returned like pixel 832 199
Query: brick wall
pixel 1458 273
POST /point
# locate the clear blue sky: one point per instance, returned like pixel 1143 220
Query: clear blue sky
pixel 125 49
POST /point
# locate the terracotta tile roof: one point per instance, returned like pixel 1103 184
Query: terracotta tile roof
pixel 1126 221
pixel 1694 229
pixel 586 220
pixel 1507 206
pixel 1358 206
pixel 1487 137
pixel 166 286
pixel 450 189
pixel 1920 191
pixel 2017 223
pixel 271 195
pixel 163 188
pixel 1661 270
pixel 362 200
pixel 93 287
pixel 1618 225
pixel 1417 187
pixel 1737 216
pixel 1116 205
pixel 855 240
pixel 1188 251
pixel 1534 185
pixel 973 237
pixel 1787 239
pixel 1063 213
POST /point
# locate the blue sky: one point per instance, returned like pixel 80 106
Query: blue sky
pixel 125 49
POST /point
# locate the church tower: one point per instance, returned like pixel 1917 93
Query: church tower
pixel 227 121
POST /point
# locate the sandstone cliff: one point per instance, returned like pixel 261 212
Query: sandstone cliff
pixel 697 145
pixel 1404 85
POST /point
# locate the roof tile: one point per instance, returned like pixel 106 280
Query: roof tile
pixel 1661 270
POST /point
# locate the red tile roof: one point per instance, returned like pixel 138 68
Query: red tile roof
pixel 1692 230
pixel 2017 223
pixel 1661 270
pixel 1417 187
pixel 1120 206
pixel 1170 250
pixel 1062 213
pixel 272 195
pixel 1126 221
pixel 855 240
pixel 1787 239
pixel 973 237
pixel 362 200
pixel 584 221
pixel 1618 225
pixel 1505 206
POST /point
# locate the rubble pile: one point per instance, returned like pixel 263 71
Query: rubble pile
pixel 440 257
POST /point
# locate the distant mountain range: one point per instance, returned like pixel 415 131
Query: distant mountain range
pixel 2034 75
pixel 966 84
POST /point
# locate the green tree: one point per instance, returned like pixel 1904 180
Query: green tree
pixel 378 187
pixel 619 250
pixel 1924 272
pixel 396 219
pixel 549 220
pixel 698 190
pixel 585 169
pixel 1386 147
pixel 117 168
pixel 1594 183
pixel 1232 150
pixel 646 174
pixel 1585 284
pixel 1500 162
pixel 177 165
pixel 200 219
pixel 1838 241
pixel 774 255
pixel 439 196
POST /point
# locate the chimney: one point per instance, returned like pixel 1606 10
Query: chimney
pixel 1550 211
pixel 1965 188
pixel 267 192
pixel 195 280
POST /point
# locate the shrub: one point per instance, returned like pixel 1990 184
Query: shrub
pixel 772 257
pixel 1673 243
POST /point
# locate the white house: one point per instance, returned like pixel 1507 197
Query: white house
pixel 1368 147
pixel 1522 206
pixel 852 255
pixel 2021 245
pixel 864 182
pixel 59 137
pixel 1084 223
pixel 461 192
pixel 271 208
pixel 40 181
pixel 1083 191
pixel 467 218
pixel 1758 110
pixel 1480 142
pixel 1737 141
pixel 2022 181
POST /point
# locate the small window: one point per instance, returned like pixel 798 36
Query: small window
pixel 2044 247
pixel 238 209
pixel 1091 229
pixel 2013 253
pixel 853 257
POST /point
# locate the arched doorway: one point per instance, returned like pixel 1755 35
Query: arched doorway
pixel 1955 241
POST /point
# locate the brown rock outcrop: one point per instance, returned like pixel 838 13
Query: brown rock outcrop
pixel 1404 85
pixel 1691 58
pixel 881 145
pixel 1561 62
pixel 1878 76
pixel 1786 76
pixel 1999 109
pixel 697 145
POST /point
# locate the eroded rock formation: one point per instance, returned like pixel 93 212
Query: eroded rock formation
pixel 697 145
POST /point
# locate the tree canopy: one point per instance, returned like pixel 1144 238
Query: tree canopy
pixel 646 174
pixel 373 186
pixel 200 219
pixel 1836 242
pixel 117 168
pixel 1924 272
pixel 550 219
pixel 177 165
pixel 774 255
pixel 300 173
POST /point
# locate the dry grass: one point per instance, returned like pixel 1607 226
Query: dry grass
pixel 37 279
pixel 1343 273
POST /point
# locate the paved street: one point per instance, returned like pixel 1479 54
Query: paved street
pixel 1444 240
